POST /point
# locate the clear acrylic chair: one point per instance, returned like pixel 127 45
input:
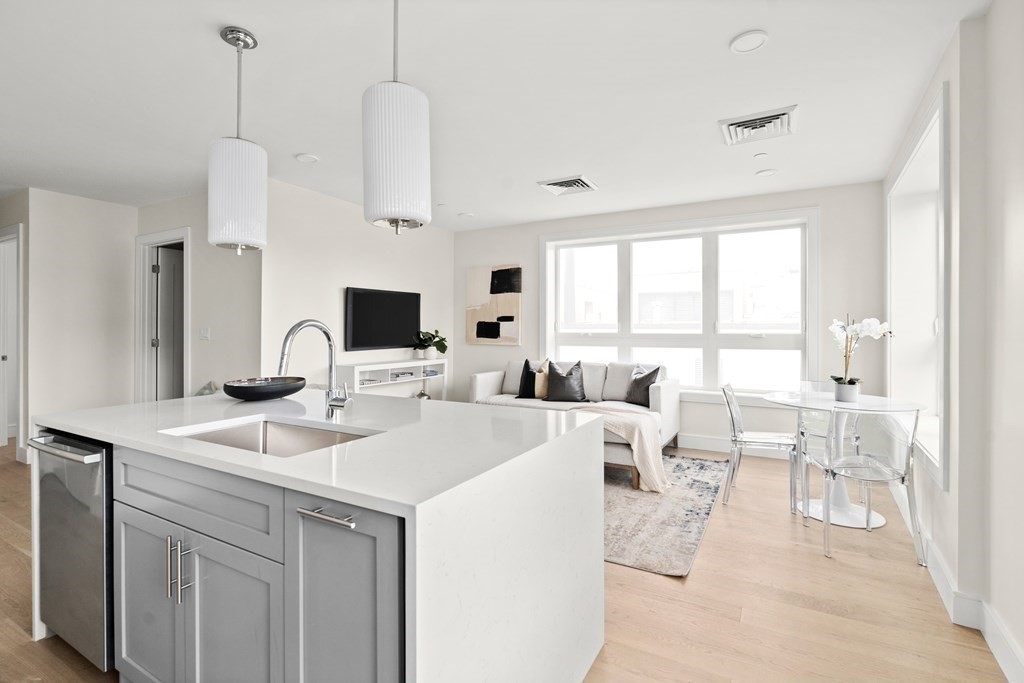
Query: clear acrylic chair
pixel 813 424
pixel 885 455
pixel 742 439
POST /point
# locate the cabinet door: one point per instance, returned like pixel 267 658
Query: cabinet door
pixel 343 602
pixel 148 629
pixel 234 613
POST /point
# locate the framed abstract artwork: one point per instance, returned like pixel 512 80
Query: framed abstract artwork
pixel 494 305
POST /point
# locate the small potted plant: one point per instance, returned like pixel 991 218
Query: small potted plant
pixel 430 343
pixel 848 335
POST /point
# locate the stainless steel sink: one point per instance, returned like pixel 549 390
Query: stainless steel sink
pixel 275 438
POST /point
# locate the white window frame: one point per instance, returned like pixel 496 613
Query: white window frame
pixel 709 339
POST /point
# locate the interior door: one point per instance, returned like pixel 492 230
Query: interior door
pixel 170 302
pixel 8 249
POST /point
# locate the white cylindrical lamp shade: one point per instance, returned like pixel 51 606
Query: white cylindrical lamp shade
pixel 237 187
pixel 396 156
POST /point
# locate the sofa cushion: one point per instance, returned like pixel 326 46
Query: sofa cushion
pixel 593 377
pixel 513 373
pixel 640 388
pixel 512 401
pixel 616 384
pixel 565 385
pixel 620 375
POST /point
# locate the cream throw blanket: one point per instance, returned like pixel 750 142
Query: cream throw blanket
pixel 640 431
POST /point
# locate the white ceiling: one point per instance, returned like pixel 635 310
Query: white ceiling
pixel 118 100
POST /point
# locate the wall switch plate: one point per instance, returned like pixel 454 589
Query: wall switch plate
pixel 204 333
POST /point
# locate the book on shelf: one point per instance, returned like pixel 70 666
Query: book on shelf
pixel 364 382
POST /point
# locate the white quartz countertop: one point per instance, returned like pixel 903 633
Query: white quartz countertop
pixel 417 449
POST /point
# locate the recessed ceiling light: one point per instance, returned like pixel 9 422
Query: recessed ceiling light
pixel 307 158
pixel 465 214
pixel 760 155
pixel 749 41
pixel 440 204
pixel 765 172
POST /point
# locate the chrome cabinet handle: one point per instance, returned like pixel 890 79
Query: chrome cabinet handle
pixel 318 514
pixel 181 581
pixel 66 450
pixel 170 581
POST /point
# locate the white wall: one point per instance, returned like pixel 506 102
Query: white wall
pixel 225 296
pixel 852 270
pixel 318 245
pixel 1005 261
pixel 80 293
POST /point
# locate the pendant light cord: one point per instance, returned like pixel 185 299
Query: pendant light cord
pixel 238 98
pixel 395 46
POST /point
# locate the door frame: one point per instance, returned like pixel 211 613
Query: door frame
pixel 145 250
pixel 17 232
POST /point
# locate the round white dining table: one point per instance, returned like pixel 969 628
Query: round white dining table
pixel 843 512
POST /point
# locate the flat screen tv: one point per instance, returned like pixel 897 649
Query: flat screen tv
pixel 379 319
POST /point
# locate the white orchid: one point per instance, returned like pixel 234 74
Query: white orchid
pixel 848 335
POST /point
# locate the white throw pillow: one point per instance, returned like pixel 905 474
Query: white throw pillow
pixel 616 384
pixel 513 374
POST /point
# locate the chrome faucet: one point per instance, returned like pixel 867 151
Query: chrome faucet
pixel 335 399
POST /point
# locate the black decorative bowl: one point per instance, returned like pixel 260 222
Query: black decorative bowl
pixel 263 388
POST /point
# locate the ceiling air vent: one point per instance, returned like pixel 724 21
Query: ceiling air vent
pixel 571 185
pixel 767 124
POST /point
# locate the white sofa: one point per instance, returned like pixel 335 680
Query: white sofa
pixel 604 384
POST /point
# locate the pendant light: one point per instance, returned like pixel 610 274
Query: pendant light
pixel 237 182
pixel 396 152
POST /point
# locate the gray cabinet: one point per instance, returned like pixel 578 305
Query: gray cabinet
pixel 214 614
pixel 149 629
pixel 343 601
pixel 234 613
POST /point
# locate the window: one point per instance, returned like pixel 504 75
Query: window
pixel 666 285
pixel 759 284
pixel 588 289
pixel 715 302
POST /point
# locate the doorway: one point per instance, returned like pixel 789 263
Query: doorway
pixel 162 309
pixel 11 334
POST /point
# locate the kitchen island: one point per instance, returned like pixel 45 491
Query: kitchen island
pixel 483 528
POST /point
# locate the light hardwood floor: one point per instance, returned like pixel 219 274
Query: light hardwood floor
pixel 761 602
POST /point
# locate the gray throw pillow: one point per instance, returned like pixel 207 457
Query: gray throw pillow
pixel 566 385
pixel 639 392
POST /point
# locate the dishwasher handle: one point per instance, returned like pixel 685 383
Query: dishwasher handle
pixel 66 449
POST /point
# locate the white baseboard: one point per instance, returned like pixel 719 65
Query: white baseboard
pixel 971 611
pixel 1008 652
pixel 721 444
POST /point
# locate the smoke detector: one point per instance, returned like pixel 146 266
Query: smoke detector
pixel 767 124
pixel 571 185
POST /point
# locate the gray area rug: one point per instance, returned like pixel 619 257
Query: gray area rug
pixel 660 532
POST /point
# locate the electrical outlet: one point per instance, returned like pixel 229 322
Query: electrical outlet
pixel 204 333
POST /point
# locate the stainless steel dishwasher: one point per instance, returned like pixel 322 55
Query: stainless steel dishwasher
pixel 76 595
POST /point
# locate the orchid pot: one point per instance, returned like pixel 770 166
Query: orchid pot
pixel 847 393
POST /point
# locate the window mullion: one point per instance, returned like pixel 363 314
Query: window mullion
pixel 625 254
pixel 709 305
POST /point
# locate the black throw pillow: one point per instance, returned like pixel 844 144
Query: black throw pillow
pixel 567 385
pixel 528 381
pixel 639 392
